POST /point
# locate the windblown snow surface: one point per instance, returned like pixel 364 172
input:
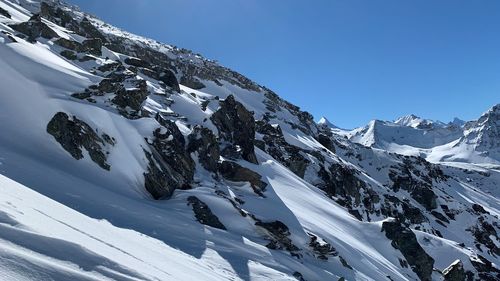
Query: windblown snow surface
pixel 68 219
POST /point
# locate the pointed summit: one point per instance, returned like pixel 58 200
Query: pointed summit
pixel 326 123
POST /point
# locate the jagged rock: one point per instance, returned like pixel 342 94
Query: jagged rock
pixel 234 172
pixel 326 142
pixel 69 55
pixel 485 268
pixel 166 76
pixel 454 272
pixel 5 13
pixel 108 86
pixel 73 134
pixel 321 250
pixel 34 28
pixel 93 46
pixel 192 82
pixel 274 144
pixel 132 98
pixel 87 29
pixel 137 62
pixel 341 180
pixel 236 127
pixel 483 232
pixel 204 142
pixel 203 213
pixel 171 145
pixel 68 44
pixel 420 190
pixel 405 241
pixel 280 236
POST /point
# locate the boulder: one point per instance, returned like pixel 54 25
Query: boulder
pixel 4 13
pixel 234 172
pixel 132 98
pixel 236 127
pixel 74 134
pixel 203 141
pixel 34 28
pixel 406 242
pixel 279 234
pixel 454 272
pixel 93 46
pixel 203 213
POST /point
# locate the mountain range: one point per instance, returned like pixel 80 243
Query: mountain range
pixel 123 158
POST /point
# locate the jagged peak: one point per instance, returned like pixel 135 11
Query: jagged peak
pixel 325 122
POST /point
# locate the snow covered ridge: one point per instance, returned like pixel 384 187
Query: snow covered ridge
pixel 122 158
pixel 458 142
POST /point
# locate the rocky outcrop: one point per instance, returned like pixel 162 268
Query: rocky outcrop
pixel 487 271
pixel 405 241
pixel 279 234
pixel 322 250
pixel 274 143
pixel 203 141
pixel 5 13
pixel 74 134
pixel 132 98
pixel 234 172
pixel 169 165
pixel 203 213
pixel 454 272
pixel 236 127
pixel 34 28
pixel 192 82
pixel 170 144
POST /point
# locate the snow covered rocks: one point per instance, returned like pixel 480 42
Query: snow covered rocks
pixel 74 134
pixel 166 165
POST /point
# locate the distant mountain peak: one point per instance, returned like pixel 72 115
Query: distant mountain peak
pixel 325 122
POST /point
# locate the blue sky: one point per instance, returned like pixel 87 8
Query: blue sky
pixel 350 60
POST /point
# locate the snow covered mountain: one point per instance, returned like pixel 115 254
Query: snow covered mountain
pixel 457 141
pixel 122 158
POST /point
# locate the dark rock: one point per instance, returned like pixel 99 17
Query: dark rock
pixel 168 77
pixel 280 236
pixel 426 197
pixel 108 86
pixel 326 142
pixel 68 44
pixel 236 127
pixel 485 268
pixel 34 28
pixel 321 250
pixel 234 172
pixel 69 55
pixel 136 62
pixel 454 272
pixel 479 209
pixel 87 29
pixel 341 180
pixel 192 82
pixel 5 13
pixel 93 46
pixel 204 142
pixel 132 98
pixel 405 240
pixel 171 145
pixel 203 213
pixel 74 135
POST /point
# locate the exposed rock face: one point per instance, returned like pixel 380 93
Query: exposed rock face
pixel 486 270
pixel 170 166
pixel 132 98
pixel 74 134
pixel 234 172
pixel 92 46
pixel 236 127
pixel 171 145
pixel 405 240
pixel 5 13
pixel 203 213
pixel 34 28
pixel 341 180
pixel 454 272
pixel 192 82
pixel 280 236
pixel 321 250
pixel 275 144
pixel 204 142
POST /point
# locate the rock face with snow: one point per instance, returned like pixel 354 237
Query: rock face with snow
pixel 143 161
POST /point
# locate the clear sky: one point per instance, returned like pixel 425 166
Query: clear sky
pixel 348 60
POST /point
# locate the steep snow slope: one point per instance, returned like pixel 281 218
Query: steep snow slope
pixel 97 123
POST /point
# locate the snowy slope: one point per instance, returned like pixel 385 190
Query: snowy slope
pixel 98 126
